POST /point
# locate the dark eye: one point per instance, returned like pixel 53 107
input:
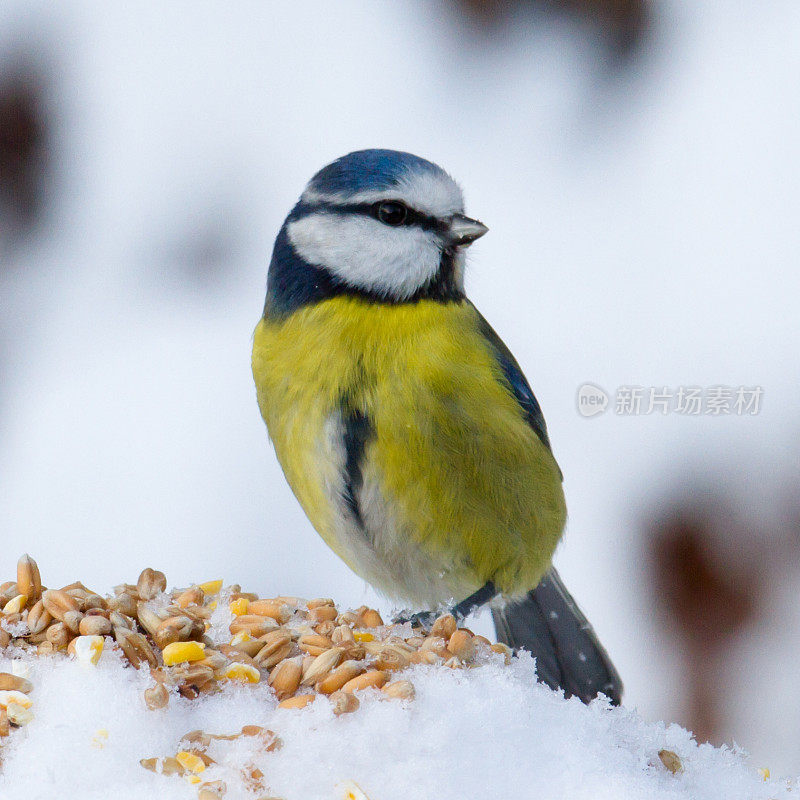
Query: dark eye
pixel 390 212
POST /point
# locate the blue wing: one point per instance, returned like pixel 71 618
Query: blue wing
pixel 519 386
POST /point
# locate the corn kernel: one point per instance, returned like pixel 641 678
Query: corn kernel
pixel 88 649
pixel 16 604
pixel 237 671
pixel 100 738
pixel 190 761
pixel 9 696
pixel 352 791
pixel 177 652
pixel 211 587
pixel 240 606
pixel 363 636
pixel 242 636
pixel 193 779
pixel 18 714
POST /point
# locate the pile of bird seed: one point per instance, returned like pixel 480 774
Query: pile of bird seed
pixel 194 640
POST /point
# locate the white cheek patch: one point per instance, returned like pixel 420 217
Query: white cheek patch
pixel 367 254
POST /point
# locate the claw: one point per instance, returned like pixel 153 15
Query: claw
pixel 425 619
pixel 422 619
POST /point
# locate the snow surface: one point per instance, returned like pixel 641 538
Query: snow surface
pixel 489 732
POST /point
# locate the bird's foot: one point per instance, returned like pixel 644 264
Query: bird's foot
pixel 422 619
pixel 425 619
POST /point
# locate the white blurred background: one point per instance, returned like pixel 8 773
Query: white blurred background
pixel 638 168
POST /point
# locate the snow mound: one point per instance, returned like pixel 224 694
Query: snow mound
pixel 490 731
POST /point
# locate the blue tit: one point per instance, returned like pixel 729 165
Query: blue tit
pixel 403 424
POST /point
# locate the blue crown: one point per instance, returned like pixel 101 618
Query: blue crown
pixel 366 170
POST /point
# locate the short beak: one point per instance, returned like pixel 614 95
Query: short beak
pixel 463 231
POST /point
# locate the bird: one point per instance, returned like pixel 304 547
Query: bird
pixel 402 422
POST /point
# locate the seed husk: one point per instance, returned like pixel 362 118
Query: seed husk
pixel 38 618
pixel 212 790
pixel 344 703
pixel 136 648
pixel 445 626
pixel 323 614
pixel 253 624
pixel 273 642
pixel 671 760
pixel 504 650
pixel 269 656
pixel 15 683
pixel 462 644
pixel 120 620
pixel 279 612
pixel 124 603
pixel 342 634
pixel 322 665
pixel 373 679
pixel 151 583
pixel 148 618
pixel 391 659
pixel 8 590
pixel 403 690
pixel 285 678
pixel 11 619
pixel 320 601
pixel 163 766
pixel 214 659
pixel 72 621
pixel 251 647
pixel 29 581
pixel 436 645
pixel 314 644
pixel 298 701
pixel 58 635
pixel 237 655
pixel 95 625
pixel 191 597
pixel 94 602
pixel 175 629
pixel 345 672
pixel 325 628
pixel 370 618
pixel 156 696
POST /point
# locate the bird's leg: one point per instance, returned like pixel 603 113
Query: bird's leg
pixel 463 609
pixel 425 619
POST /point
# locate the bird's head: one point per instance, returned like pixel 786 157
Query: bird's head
pixel 379 223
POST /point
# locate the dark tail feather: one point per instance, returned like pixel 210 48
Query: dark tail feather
pixel 568 655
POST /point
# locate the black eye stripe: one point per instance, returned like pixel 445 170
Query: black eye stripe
pixel 413 217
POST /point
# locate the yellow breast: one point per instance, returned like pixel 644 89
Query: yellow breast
pixel 469 483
